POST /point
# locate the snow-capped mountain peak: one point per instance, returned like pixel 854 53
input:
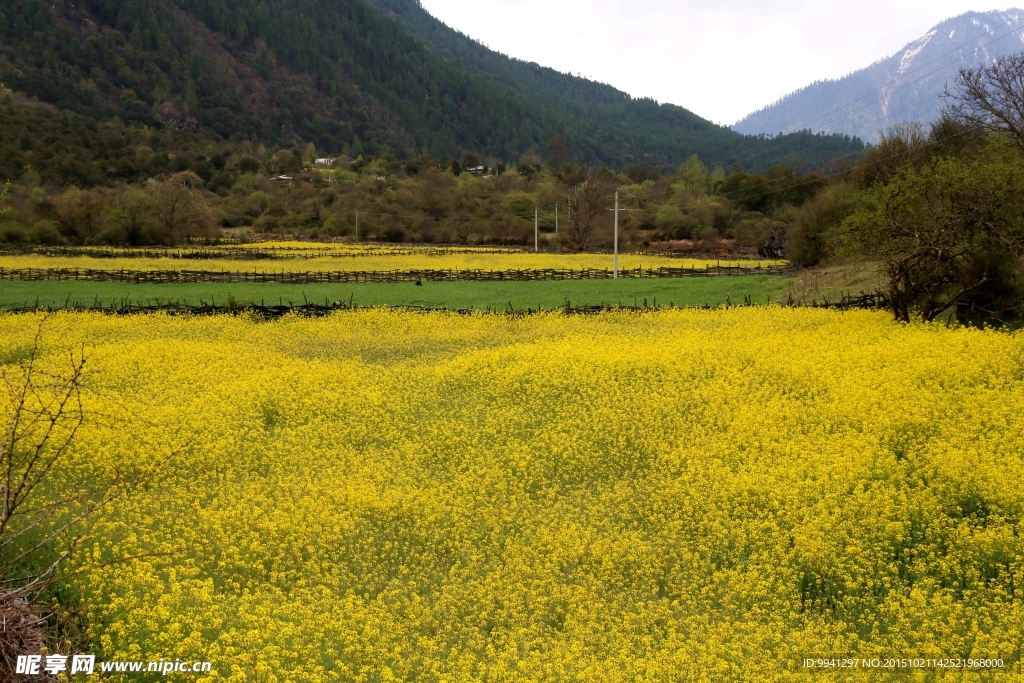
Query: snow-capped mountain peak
pixel 906 86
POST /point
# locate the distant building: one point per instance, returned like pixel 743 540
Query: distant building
pixel 324 162
pixel 476 170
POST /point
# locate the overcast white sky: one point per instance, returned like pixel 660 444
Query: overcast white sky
pixel 719 58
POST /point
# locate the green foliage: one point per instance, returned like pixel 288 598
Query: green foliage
pixel 950 234
pixel 672 222
pixel 693 175
pixel 814 231
pixel 519 204
pixel 777 187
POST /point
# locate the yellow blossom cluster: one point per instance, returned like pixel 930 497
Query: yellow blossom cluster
pixel 662 496
pixel 297 247
pixel 325 257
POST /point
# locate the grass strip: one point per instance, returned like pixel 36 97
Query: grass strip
pixel 478 295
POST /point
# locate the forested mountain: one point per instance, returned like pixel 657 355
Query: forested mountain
pixel 598 121
pixel 347 76
pixel 906 87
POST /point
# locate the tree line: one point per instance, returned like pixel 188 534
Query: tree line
pixel 84 182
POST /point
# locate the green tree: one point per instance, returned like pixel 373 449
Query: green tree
pixel 3 195
pixel 949 235
pixel 809 238
pixel 558 151
pixel 693 175
pixel 191 100
pixel 131 216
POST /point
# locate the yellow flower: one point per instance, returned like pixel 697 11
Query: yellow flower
pixel 667 496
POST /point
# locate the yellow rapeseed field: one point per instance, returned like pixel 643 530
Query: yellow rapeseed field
pixel 314 257
pixel 296 247
pixel 667 496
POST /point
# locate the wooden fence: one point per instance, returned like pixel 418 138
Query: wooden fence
pixel 873 301
pixel 353 276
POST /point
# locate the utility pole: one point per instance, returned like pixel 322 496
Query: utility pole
pixel 556 218
pixel 536 230
pixel 616 235
pixel 357 225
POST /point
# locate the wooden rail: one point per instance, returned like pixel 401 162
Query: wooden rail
pixel 354 276
pixel 127 307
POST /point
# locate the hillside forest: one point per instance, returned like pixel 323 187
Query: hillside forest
pixel 347 76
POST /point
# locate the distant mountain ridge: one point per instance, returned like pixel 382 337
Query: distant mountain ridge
pixel 906 87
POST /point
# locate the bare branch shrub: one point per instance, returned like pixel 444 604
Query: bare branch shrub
pixel 991 98
pixel 588 200
pixel 44 501
pixel 44 414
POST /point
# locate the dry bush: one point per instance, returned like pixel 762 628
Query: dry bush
pixel 588 202
pixel 42 507
pixel 23 632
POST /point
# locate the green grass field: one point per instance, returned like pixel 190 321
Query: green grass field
pixel 478 295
